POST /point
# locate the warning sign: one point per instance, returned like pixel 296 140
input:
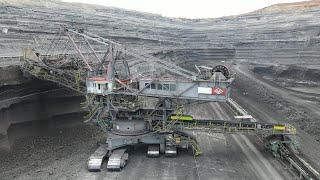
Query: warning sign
pixel 219 91
pixel 213 91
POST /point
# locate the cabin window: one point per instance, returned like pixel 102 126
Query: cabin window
pixel 166 87
pixel 153 86
pixel 172 87
pixel 147 85
pixel 159 87
pixel 98 86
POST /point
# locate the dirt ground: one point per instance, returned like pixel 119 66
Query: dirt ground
pixel 41 157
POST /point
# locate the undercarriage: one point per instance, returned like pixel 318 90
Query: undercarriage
pixel 115 149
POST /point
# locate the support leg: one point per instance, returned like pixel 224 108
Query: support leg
pixel 162 145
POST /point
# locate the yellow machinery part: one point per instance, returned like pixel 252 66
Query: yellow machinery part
pixel 279 127
pixel 29 54
pixel 181 118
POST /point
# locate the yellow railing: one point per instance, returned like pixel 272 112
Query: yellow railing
pixel 91 113
pixel 171 123
pixel 290 128
pixel 102 124
pixel 195 147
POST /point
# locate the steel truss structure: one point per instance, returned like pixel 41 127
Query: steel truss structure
pixel 135 97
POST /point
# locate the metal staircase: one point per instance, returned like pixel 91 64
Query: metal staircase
pixel 178 141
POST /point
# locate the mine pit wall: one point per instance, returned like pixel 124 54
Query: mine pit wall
pixel 284 37
pixel 11 75
pixel 34 113
pixel 289 72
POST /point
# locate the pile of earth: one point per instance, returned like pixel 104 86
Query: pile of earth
pixel 68 147
pixel 289 75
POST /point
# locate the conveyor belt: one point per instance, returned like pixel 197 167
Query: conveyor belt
pixel 221 126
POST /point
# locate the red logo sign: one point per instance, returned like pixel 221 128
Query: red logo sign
pixel 219 91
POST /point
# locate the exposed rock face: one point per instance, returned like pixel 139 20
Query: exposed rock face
pixel 289 75
pixel 267 36
pixel 11 75
pixel 25 100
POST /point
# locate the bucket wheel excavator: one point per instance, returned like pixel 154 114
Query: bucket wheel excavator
pixel 135 97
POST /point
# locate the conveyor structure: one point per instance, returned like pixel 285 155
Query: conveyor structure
pixel 222 126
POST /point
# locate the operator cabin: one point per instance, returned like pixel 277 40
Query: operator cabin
pixel 97 85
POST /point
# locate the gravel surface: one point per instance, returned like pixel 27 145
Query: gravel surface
pixel 54 156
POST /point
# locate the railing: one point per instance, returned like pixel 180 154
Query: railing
pixel 104 126
pixel 290 128
pixel 89 101
pixel 173 122
pixel 195 147
pixel 91 114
